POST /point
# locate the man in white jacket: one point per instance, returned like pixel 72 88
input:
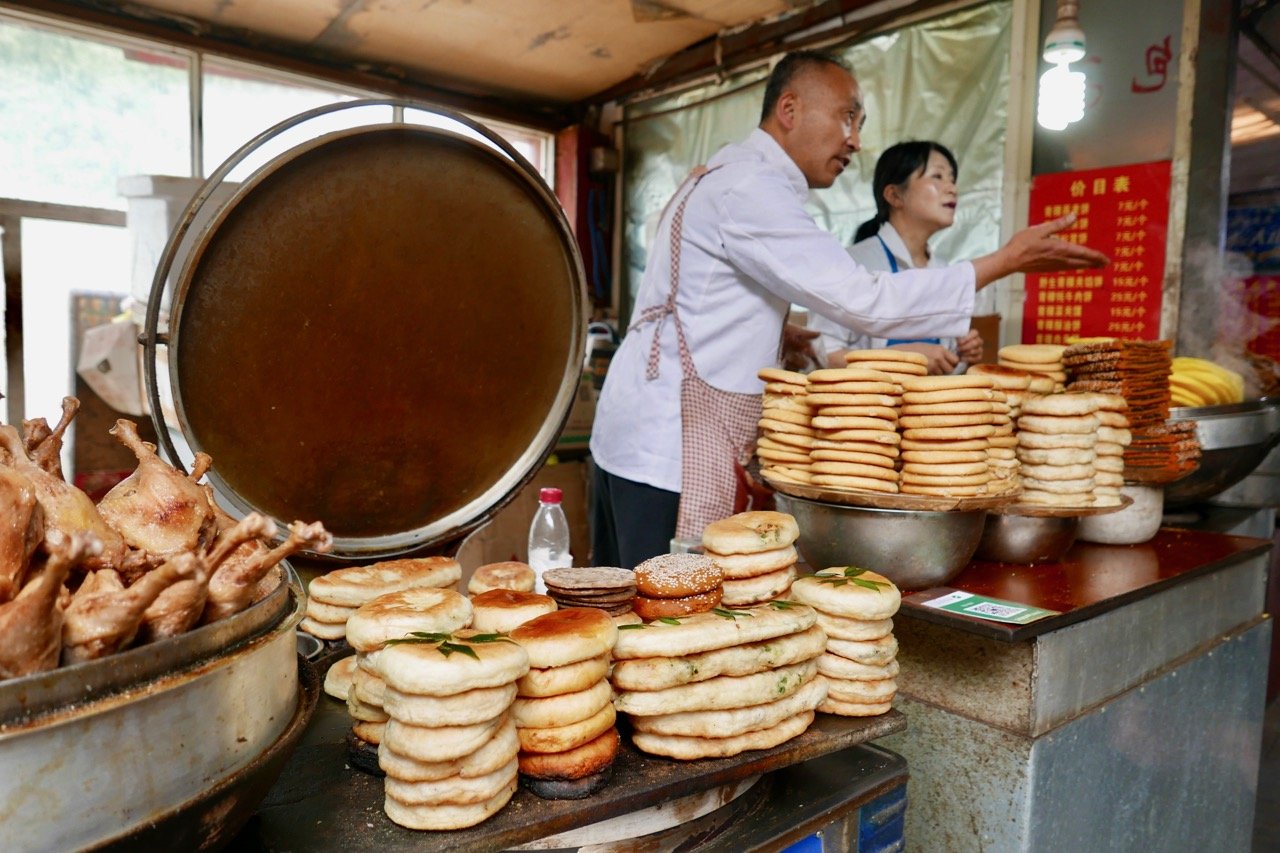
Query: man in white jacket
pixel 747 251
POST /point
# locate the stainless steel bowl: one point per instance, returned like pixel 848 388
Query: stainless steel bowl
pixel 1026 539
pixel 1234 440
pixel 914 549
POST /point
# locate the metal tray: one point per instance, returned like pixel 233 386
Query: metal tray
pixel 26 697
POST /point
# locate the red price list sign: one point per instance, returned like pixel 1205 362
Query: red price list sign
pixel 1123 212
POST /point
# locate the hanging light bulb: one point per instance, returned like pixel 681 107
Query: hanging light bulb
pixel 1061 97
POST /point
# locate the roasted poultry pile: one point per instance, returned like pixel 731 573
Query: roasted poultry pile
pixel 154 558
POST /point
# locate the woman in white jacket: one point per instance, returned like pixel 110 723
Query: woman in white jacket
pixel 915 193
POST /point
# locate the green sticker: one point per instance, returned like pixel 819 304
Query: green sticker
pixel 995 609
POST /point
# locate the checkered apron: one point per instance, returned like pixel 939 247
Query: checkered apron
pixel 718 429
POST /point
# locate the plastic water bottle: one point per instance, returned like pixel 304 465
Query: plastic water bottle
pixel 548 537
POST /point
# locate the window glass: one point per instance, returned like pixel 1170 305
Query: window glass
pixel 241 101
pixel 78 114
pixel 533 146
pixel 50 275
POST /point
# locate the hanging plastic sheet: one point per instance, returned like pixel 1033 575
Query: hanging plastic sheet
pixel 945 79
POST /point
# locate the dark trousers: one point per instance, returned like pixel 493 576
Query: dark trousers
pixel 630 521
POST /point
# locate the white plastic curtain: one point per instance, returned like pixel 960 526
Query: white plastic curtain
pixel 945 79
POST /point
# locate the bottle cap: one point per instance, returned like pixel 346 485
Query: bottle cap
pixel 550 495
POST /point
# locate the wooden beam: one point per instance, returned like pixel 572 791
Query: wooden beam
pixel 66 212
pixel 132 19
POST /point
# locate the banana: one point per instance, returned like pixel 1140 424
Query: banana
pixel 1222 390
pixel 1228 384
pixel 1194 386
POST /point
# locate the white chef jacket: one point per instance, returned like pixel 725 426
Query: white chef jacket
pixel 750 250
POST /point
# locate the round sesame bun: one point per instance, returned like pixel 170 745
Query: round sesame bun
pixel 422 668
pixel 750 532
pixel 448 816
pixel 677 576
pixel 759 589
pixel 753 565
pixel 339 677
pixel 562 709
pixel 460 709
pixel 566 636
pixel 395 615
pixel 591 757
pixel 569 736
pixel 502 610
pixel 1067 403
pixel 323 630
pixel 454 790
pixel 440 743
pixel 495 753
pixel 506 575
pixel 1057 424
pixel 826 593
pixel 570 678
pixel 845 628
pixel 354 586
pixel 650 609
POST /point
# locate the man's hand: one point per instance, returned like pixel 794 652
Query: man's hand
pixel 941 360
pixel 797 347
pixel 969 348
pixel 1035 249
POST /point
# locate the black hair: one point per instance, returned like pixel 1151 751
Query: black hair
pixel 791 65
pixel 895 168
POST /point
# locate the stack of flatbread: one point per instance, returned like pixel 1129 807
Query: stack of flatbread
pixel 333 597
pixel 564 710
pixel 899 364
pixel 1057 440
pixel 1044 361
pixel 855 429
pixel 449 748
pixel 606 588
pixel 1113 437
pixel 756 553
pixel 785 432
pixel 503 610
pixel 855 609
pixel 718 684
pixel 947 423
pixel 1138 371
pixel 392 617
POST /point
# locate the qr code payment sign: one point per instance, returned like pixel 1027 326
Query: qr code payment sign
pixel 986 608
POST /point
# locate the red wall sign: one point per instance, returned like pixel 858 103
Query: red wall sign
pixel 1122 212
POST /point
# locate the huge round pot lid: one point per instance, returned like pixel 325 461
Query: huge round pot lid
pixel 382 330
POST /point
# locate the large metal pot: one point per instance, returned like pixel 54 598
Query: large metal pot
pixel 915 549
pixel 1234 440
pixel 94 751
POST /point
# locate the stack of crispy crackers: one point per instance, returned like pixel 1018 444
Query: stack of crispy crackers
pixel 1138 371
